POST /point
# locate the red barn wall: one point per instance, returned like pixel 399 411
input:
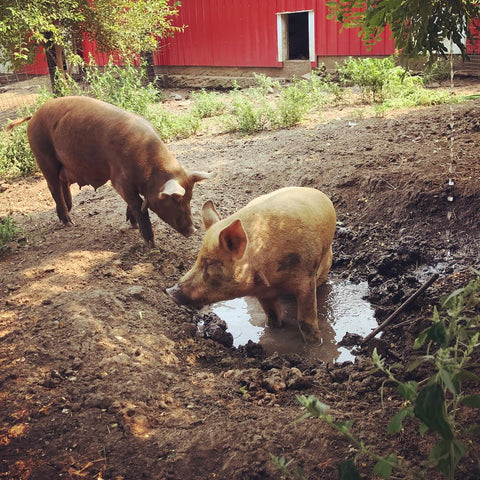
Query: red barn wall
pixel 244 33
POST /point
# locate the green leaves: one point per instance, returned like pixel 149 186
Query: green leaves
pixel 430 409
pixel 124 26
pixel 418 28
pixel 347 471
pixel 384 466
pixel 452 339
pixel 447 454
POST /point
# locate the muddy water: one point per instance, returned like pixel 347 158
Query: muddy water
pixel 341 309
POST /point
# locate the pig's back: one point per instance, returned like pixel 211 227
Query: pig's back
pixel 308 205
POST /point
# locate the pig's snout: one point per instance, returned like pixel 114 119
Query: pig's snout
pixel 186 232
pixel 176 293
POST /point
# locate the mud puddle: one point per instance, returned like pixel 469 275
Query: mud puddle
pixel 341 309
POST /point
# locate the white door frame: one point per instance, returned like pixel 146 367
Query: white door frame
pixel 282 34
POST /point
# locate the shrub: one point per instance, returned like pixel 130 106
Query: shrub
pixel 250 112
pixel 123 86
pixel 452 341
pixel 172 125
pixel 370 74
pixel 16 158
pixel 294 102
pixel 207 104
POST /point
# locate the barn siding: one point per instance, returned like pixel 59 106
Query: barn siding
pixel 243 33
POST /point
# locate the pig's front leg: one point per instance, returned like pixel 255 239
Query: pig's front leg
pixel 306 297
pixel 273 311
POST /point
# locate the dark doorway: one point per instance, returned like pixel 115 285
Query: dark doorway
pixel 298 36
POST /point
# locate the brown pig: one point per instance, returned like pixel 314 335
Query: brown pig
pixel 279 244
pixel 87 141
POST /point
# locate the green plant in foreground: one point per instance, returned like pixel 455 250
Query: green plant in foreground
pixel 8 230
pixel 451 341
pixel 283 465
pixel 16 158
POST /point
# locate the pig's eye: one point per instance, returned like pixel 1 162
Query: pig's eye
pixel 212 271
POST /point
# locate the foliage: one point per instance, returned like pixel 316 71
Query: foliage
pixel 370 74
pixel 122 86
pixel 284 466
pixel 172 125
pixel 250 111
pixel 8 231
pixel 347 469
pixel 451 341
pixel 128 27
pixel 16 158
pixel 390 86
pixel 293 104
pixel 207 104
pixel 266 105
pixel 418 28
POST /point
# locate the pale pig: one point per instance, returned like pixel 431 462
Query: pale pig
pixel 279 244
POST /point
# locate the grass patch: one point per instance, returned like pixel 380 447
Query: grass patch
pixel 8 231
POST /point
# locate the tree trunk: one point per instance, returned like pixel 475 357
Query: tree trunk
pixel 54 54
pixel 147 57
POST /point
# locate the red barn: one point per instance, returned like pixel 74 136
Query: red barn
pixel 277 37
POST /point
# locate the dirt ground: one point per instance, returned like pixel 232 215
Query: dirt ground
pixel 104 377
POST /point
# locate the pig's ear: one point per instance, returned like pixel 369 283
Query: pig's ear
pixel 234 239
pixel 199 176
pixel 172 188
pixel 209 214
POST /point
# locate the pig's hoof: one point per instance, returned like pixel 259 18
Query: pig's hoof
pixel 311 334
pixel 149 243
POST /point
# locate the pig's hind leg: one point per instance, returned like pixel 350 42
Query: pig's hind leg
pixel 273 310
pixel 131 218
pixel 52 171
pixel 306 296
pixel 135 214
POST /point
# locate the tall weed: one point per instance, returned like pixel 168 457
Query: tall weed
pixel 123 86
pixel 207 104
pixel 451 344
pixel 370 74
pixel 16 158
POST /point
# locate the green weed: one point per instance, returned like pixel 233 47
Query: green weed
pixel 450 344
pixel 207 104
pixel 370 74
pixel 172 125
pixel 16 158
pixel 8 231
pixel 123 86
pixel 293 104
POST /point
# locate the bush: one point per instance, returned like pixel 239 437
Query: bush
pixel 250 112
pixel 370 74
pixel 123 86
pixel 172 125
pixel 207 104
pixel 294 102
pixel 451 344
pixel 16 158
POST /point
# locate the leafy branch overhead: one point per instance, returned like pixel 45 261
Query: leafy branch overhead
pixel 418 28
pixel 124 26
